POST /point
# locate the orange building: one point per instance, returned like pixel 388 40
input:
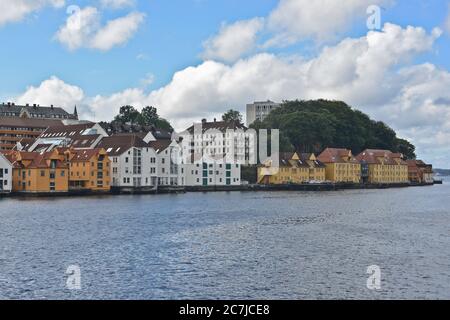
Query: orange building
pixel 89 169
pixel 39 172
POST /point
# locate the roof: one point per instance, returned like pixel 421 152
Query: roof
pixel 218 125
pixel 29 123
pixel 378 156
pixel 82 154
pixel 298 160
pixel 160 145
pixel 118 144
pixel 36 159
pixel 69 130
pixel 337 155
pixel 46 112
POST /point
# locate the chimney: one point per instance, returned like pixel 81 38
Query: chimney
pixel 215 120
pixel 51 106
pixel 34 105
pixel 203 120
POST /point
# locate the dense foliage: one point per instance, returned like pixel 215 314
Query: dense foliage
pixel 232 116
pixel 147 117
pixel 311 126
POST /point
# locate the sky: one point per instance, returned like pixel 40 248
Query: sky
pixel 195 59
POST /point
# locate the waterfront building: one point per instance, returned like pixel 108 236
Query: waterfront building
pixel 169 167
pixel 293 168
pixel 341 165
pixel 35 111
pixel 14 129
pixel 78 136
pixel 36 172
pixel 420 172
pixel 384 166
pixel 6 170
pixel 259 110
pixel 214 155
pixel 89 169
pixel 134 163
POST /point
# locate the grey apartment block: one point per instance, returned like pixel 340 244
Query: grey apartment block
pixel 259 110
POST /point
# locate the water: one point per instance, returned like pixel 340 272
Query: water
pixel 274 245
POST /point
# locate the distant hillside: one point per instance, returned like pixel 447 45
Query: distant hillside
pixel 311 126
pixel 442 172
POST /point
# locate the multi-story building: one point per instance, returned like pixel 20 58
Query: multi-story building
pixel 384 166
pixel 134 164
pixel 260 110
pixel 212 153
pixel 169 167
pixel 90 169
pixel 78 136
pixel 292 168
pixel 420 172
pixel 341 165
pixel 35 172
pixel 5 174
pixel 35 111
pixel 14 129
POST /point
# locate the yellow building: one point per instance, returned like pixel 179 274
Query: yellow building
pixel 384 166
pixel 341 165
pixel 39 172
pixel 293 168
pixel 89 169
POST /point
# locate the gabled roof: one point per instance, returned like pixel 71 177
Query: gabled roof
pixel 46 112
pixel 337 155
pixel 118 144
pixel 33 160
pixel 160 145
pixel 83 154
pixel 378 156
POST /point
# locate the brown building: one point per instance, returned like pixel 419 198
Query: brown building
pixel 420 172
pixel 341 165
pixel 12 130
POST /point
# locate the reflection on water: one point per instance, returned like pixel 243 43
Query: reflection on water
pixel 286 245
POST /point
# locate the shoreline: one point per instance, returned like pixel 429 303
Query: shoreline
pixel 197 189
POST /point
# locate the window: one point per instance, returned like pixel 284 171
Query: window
pixel 42 173
pixel 63 173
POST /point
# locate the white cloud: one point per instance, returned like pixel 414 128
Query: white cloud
pixel 117 32
pixel 295 20
pixel 83 29
pixel 371 73
pixel 13 11
pixel 233 40
pixel 117 4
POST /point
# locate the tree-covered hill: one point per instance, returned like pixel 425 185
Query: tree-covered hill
pixel 311 126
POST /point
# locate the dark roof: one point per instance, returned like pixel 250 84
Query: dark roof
pixel 29 123
pixel 218 125
pixel 160 145
pixel 62 130
pixel 45 112
pixel 118 144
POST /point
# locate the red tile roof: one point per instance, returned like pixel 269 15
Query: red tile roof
pixel 337 155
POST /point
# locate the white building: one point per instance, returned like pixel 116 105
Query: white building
pixel 5 174
pixel 213 153
pixel 134 163
pixel 169 167
pixel 260 110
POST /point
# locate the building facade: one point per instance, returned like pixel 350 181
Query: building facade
pixel 260 110
pixel 134 164
pixel 213 153
pixel 13 130
pixel 6 171
pixel 341 165
pixel 89 169
pixel 35 172
pixel 293 168
pixel 420 172
pixel 384 166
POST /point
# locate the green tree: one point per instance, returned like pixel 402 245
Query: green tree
pixel 232 116
pixel 127 114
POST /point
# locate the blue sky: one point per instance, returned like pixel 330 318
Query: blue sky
pixel 195 58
